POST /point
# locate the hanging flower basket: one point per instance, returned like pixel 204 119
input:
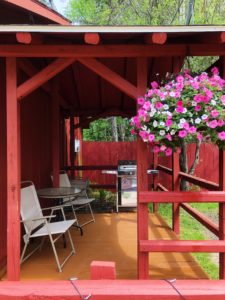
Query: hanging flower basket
pixel 185 108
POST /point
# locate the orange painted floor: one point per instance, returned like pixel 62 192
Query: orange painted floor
pixel 113 238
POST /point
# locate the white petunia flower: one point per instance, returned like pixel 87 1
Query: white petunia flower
pixel 193 103
pixel 155 123
pixel 162 123
pixel 204 117
pixel 162 132
pixel 181 125
pixel 182 121
pixel 166 107
pixel 151 114
pixel 172 132
pixel 213 102
pixel 198 121
pixel 144 128
pixel 184 110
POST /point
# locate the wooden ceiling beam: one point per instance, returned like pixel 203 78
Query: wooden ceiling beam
pixel 92 38
pixel 159 38
pixel 28 68
pixel 110 76
pixel 216 37
pixel 43 76
pixel 86 51
pixel 23 37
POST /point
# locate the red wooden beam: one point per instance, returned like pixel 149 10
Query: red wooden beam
pixel 162 187
pixel 142 177
pixel 55 133
pixel 87 51
pixel 182 197
pixel 111 76
pixel 222 205
pixel 201 218
pixel 114 289
pixel 182 246
pixel 209 185
pixel 175 187
pixel 215 37
pixel 28 68
pixel 23 37
pixel 13 172
pixel 103 270
pixel 41 10
pixel 101 167
pixel 92 38
pixel 156 38
pixel 43 76
pixel 165 169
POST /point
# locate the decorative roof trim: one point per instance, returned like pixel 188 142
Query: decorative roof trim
pixel 40 9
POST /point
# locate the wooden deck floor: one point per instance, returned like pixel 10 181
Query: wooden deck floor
pixel 113 238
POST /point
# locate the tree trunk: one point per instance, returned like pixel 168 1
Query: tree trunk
pixel 114 129
pixel 183 165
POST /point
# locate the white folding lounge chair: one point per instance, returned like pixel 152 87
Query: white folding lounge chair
pixel 80 201
pixel 38 225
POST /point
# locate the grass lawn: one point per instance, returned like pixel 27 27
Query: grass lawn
pixel 193 230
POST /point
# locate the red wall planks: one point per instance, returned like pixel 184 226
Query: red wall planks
pixel 105 153
pixel 3 209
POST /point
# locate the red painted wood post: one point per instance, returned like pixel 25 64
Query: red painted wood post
pixel 103 270
pixel 142 178
pixel 55 134
pixel 13 172
pixel 175 186
pixel 222 212
pixel 72 146
pixel 155 179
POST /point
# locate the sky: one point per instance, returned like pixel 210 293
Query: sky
pixel 60 5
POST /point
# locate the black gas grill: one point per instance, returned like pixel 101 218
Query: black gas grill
pixel 127 167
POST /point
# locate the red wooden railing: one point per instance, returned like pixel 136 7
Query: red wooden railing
pixel 181 199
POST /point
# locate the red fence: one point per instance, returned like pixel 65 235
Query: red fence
pixel 105 154
pixel 108 154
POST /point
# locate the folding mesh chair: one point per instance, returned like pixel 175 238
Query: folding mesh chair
pixel 81 200
pixel 37 225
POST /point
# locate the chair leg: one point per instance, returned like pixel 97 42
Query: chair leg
pixel 55 253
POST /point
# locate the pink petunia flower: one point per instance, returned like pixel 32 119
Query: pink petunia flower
pixel 179 103
pixel 215 71
pixel 221 135
pixel 158 105
pixel 213 124
pixel 197 108
pixel 132 132
pixel 168 151
pixel 156 149
pixel 168 137
pixel 179 109
pixel 169 122
pixel 223 99
pixel 154 85
pixel 141 101
pixel 199 136
pixel 214 113
pixel 192 129
pixel 151 137
pixel 220 122
pixel 182 133
pixel 147 105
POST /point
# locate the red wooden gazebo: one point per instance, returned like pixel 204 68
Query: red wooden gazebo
pixel 50 73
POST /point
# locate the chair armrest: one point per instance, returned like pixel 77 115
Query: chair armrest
pixel 38 219
pixel 53 207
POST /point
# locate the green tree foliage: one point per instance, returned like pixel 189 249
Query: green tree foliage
pixel 146 12
pixel 101 130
